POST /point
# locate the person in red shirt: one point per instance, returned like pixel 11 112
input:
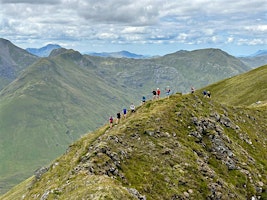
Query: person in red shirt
pixel 110 121
pixel 158 92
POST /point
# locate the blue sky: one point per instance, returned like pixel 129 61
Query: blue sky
pixel 148 27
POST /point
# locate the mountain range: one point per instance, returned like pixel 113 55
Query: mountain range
pixel 187 146
pixel 254 60
pixel 120 54
pixel 52 101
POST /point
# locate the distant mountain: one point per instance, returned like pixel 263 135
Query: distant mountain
pixel 58 98
pixel 255 60
pixel 201 67
pixel 13 60
pixel 120 54
pixel 259 53
pixel 182 147
pixel 43 51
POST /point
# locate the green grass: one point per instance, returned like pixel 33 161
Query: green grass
pixel 245 89
pixel 162 165
pixel 50 106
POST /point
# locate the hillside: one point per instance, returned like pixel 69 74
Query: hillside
pixel 46 108
pixel 184 147
pixel 248 89
pixel 179 70
pixel 56 99
pixel 12 61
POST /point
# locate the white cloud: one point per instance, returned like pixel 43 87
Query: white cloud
pixel 132 30
pixel 257 28
pixel 205 22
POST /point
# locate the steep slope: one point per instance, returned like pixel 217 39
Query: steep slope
pixel 60 97
pixel 184 147
pixel 46 108
pixel 246 89
pixel 12 61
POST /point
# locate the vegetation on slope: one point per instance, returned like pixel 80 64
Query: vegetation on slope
pixel 48 107
pixel 13 60
pixel 57 99
pixel 183 147
pixel 246 89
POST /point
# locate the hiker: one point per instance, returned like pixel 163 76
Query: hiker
pixel 132 107
pixel 110 121
pixel 124 111
pixel 168 91
pixel 158 93
pixel 118 117
pixel 143 100
pixel 154 94
pixel 205 93
pixel 192 90
pixel 208 94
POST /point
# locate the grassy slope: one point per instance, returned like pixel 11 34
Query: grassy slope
pixel 47 108
pixel 155 154
pixel 51 103
pixel 172 158
pixel 245 89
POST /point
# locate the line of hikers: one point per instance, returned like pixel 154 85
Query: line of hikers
pixel 124 114
pixel 205 93
pixel 156 95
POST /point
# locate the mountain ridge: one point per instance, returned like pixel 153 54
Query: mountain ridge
pixel 119 54
pixel 156 153
pixel 60 97
pixel 13 60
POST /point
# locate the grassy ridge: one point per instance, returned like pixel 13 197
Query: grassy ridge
pixel 245 89
pixel 154 152
pixel 59 98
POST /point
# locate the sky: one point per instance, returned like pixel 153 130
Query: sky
pixel 147 27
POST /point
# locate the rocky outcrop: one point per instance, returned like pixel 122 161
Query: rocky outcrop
pixel 212 130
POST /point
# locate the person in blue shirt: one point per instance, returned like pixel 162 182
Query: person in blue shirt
pixel 143 100
pixel 124 111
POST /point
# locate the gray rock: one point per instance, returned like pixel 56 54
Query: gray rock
pixel 136 194
pixel 39 172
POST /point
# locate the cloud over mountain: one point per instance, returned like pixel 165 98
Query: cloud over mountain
pixel 116 23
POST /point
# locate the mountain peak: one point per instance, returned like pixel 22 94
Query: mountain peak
pixel 43 51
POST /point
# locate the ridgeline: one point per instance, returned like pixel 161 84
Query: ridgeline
pixel 184 147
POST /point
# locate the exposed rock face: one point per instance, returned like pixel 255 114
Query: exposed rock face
pixel 213 131
pixel 39 172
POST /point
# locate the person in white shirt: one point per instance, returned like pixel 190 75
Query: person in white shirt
pixel 132 107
